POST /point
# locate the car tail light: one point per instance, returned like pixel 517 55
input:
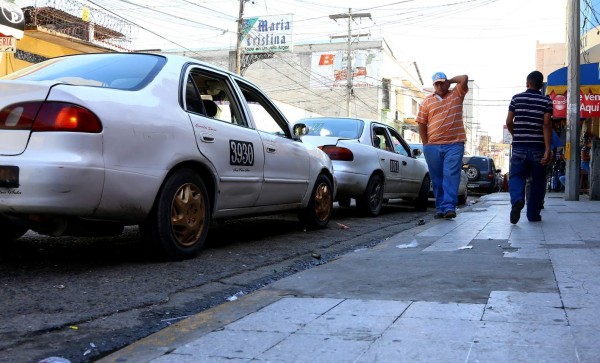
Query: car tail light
pixel 60 116
pixel 491 176
pixel 49 116
pixel 19 116
pixel 337 152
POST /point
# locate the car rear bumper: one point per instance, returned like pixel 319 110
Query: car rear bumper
pixel 480 186
pixel 350 185
pixel 67 181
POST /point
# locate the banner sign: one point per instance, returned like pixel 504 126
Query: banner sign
pixel 589 98
pixel 271 33
pixel 329 69
pixel 12 20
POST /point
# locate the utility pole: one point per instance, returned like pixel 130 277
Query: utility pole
pixel 349 16
pixel 238 46
pixel 573 103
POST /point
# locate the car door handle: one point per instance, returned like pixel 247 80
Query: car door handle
pixel 403 162
pixel 270 149
pixel 207 138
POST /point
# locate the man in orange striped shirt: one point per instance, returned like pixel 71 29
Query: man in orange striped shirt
pixel 443 135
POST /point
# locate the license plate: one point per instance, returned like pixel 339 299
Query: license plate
pixel 471 185
pixel 9 176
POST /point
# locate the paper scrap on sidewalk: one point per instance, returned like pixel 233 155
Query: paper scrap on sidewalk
pixel 413 243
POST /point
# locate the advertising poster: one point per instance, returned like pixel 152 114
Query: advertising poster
pixel 329 69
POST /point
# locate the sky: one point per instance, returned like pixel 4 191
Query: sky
pixel 492 41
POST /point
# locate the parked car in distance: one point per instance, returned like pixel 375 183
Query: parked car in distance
pixel 481 174
pixel 90 143
pixel 371 161
pixel 462 186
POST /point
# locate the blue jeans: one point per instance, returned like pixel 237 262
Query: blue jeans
pixel 524 163
pixel 445 166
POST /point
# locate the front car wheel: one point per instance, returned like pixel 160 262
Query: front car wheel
pixel 320 206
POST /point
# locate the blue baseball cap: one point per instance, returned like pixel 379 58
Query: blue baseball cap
pixel 439 77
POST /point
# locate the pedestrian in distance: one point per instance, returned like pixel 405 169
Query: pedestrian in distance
pixel 528 121
pixel 443 135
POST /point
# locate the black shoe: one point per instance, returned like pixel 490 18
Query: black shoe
pixel 535 219
pixel 450 214
pixel 515 212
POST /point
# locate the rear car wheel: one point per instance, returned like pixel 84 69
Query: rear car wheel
pixel 462 199
pixel 178 224
pixel 371 202
pixel 423 198
pixel 320 206
pixel 10 230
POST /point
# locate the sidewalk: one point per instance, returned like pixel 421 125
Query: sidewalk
pixel 473 289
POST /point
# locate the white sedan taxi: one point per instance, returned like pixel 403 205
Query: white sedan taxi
pixel 371 161
pixel 91 143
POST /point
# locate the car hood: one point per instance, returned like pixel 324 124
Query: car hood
pixel 13 141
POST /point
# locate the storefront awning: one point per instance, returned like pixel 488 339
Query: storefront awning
pixel 12 21
pixel 589 91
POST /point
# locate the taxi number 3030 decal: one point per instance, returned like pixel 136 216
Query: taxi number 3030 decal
pixel 241 153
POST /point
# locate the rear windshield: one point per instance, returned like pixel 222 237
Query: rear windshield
pixel 480 163
pixel 120 71
pixel 343 128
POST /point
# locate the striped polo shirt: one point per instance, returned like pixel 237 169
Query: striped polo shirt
pixel 443 117
pixel 529 108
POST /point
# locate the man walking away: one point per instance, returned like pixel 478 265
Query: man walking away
pixel 443 135
pixel 528 121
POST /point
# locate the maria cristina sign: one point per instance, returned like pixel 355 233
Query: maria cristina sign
pixel 271 33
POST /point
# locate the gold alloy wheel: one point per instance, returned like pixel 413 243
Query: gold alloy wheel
pixel 323 201
pixel 187 214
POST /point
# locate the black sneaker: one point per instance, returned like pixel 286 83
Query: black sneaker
pixel 515 212
pixel 450 214
pixel 535 219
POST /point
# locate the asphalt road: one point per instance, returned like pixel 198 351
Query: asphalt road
pixel 80 299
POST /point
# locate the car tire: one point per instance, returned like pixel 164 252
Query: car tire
pixel 344 202
pixel 423 197
pixel 10 230
pixel 462 199
pixel 178 223
pixel 472 172
pixel 371 202
pixel 320 206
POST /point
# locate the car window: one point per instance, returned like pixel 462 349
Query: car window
pixel 400 146
pixel 381 139
pixel 265 115
pixel 480 163
pixel 119 71
pixel 209 95
pixel 342 128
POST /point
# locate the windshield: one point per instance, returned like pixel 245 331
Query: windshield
pixel 113 70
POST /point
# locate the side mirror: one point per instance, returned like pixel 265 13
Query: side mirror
pixel 300 129
pixel 416 152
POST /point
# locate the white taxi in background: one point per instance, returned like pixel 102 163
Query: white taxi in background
pixel 91 143
pixel 371 161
